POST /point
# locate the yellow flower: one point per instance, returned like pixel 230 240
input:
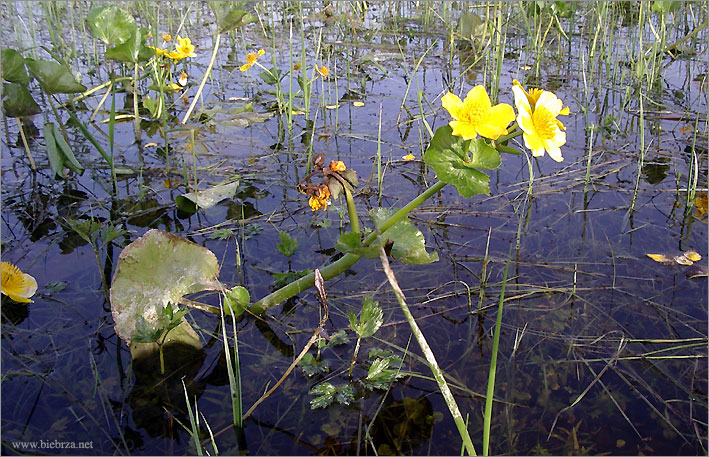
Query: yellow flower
pixel 175 55
pixel 476 115
pixel 185 47
pixel 542 130
pixel 319 201
pixel 323 71
pixel 408 157
pixel 337 166
pixel 251 59
pixel 158 51
pixel 17 285
pixel 166 37
pixel 533 94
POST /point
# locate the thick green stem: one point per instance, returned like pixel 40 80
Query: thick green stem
pixel 338 267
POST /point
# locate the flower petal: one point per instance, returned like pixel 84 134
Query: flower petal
pixel 453 104
pixel 496 121
pixel 551 102
pixel 463 129
pixel 477 98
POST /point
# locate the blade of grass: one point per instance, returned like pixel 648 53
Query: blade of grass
pixel 193 421
pixel 428 353
pixel 233 373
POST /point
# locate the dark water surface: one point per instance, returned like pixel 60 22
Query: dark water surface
pixel 586 313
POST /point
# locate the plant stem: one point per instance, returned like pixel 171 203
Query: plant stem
pixel 24 142
pixel 204 78
pixel 428 353
pixel 339 266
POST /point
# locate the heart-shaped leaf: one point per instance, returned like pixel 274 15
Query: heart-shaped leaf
pixel 132 50
pixel 409 243
pixel 13 67
pixel 111 24
pixel 156 271
pixel 229 17
pixel 455 161
pixel 17 101
pixel 53 77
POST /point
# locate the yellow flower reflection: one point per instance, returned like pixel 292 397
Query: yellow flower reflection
pixel 542 130
pixel 319 200
pixel 476 115
pixel 251 59
pixel 17 285
pixel 337 166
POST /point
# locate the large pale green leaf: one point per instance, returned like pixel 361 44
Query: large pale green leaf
pixel 13 67
pixel 455 161
pixel 155 271
pixel 409 244
pixel 17 101
pixel 111 24
pixel 53 77
pixel 206 198
pixel 370 319
pixel 230 17
pixel 133 50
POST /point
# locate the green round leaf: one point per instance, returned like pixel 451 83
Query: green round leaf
pixel 455 161
pixel 111 24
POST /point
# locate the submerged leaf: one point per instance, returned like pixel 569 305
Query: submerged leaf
pixel 206 198
pixel 312 366
pixel 370 319
pixel 156 271
pixel 288 245
pixel 660 258
pixel 325 393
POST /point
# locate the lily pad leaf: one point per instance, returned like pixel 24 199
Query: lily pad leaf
pixel 409 244
pixel 228 17
pixel 111 24
pixel 17 101
pixel 156 271
pixel 133 49
pixel 54 78
pixel 370 319
pixel 455 161
pixel 206 198
pixel 13 67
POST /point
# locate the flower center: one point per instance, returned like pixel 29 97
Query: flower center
pixel 474 114
pixel 12 278
pixel 544 123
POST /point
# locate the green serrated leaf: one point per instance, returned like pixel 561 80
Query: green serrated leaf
pixel 325 395
pixel 451 159
pixel 345 395
pixel 17 101
pixel 133 50
pixel 312 366
pixel 380 376
pixel 54 78
pixel 409 244
pixel 288 245
pixel 110 232
pixel 371 318
pixel 221 234
pixel 283 279
pixel 12 65
pixel 111 24
pixel 338 338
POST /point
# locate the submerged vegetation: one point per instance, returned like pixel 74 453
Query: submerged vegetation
pixel 259 185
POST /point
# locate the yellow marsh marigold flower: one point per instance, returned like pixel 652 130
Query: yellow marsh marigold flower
pixel 337 166
pixel 251 59
pixel 476 115
pixel 158 51
pixel 542 130
pixel 166 37
pixel 322 71
pixel 17 285
pixel 319 200
pixel 533 94
pixel 185 47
